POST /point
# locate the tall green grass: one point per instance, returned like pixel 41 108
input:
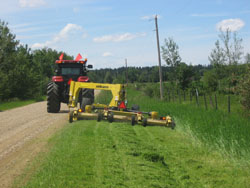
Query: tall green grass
pixel 228 133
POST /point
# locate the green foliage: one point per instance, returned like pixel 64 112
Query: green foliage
pixel 244 87
pixel 24 74
pixel 8 46
pixel 211 81
pixel 247 58
pixel 170 52
pixel 108 78
pixel 185 75
pixel 217 56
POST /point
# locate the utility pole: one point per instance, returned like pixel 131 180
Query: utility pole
pixel 126 71
pixel 159 57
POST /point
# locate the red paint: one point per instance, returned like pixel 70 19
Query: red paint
pixel 57 79
pixel 83 79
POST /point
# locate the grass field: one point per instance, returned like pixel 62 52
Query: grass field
pixel 100 154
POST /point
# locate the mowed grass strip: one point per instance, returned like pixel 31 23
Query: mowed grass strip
pixel 100 154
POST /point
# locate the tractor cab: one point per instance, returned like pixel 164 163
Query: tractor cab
pixel 65 72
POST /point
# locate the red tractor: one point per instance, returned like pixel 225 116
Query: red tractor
pixel 58 87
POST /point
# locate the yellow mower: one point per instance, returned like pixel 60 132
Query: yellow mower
pixel 116 110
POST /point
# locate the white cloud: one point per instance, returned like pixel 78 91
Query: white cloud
pixel 230 24
pixel 150 17
pixel 31 3
pixel 107 54
pixel 63 35
pixel 118 38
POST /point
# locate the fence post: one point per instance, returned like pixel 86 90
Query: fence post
pixel 179 94
pixel 215 100
pixel 205 101
pixel 197 99
pixel 173 96
pixel 229 104
pixel 211 101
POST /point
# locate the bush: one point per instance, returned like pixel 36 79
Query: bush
pixel 149 91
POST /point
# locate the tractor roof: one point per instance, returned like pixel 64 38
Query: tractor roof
pixel 77 60
pixel 70 61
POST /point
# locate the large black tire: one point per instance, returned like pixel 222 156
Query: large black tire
pixel 144 122
pixel 110 117
pixel 87 98
pixel 133 120
pixel 53 98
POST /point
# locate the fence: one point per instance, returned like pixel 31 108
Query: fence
pixel 204 100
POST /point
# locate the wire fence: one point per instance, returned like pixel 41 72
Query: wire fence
pixel 205 100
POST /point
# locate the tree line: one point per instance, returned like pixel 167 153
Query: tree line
pixel 24 74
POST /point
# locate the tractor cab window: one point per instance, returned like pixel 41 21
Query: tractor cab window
pixel 70 71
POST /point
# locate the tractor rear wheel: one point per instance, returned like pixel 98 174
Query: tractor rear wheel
pixel 53 98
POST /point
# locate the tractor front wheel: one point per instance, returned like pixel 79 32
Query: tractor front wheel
pixel 53 98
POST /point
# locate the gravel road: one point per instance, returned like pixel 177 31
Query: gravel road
pixel 23 133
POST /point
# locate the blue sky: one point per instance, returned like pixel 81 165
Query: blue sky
pixel 108 31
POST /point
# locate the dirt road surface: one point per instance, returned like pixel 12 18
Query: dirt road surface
pixel 23 133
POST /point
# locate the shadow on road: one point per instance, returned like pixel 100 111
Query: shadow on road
pixel 64 111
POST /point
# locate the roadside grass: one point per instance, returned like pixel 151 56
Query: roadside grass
pixel 14 104
pixel 18 103
pixel 100 154
pixel 227 133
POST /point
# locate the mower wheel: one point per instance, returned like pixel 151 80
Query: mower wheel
pixel 71 116
pixel 133 120
pixel 144 122
pixel 99 116
pixel 111 117
pixel 173 125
